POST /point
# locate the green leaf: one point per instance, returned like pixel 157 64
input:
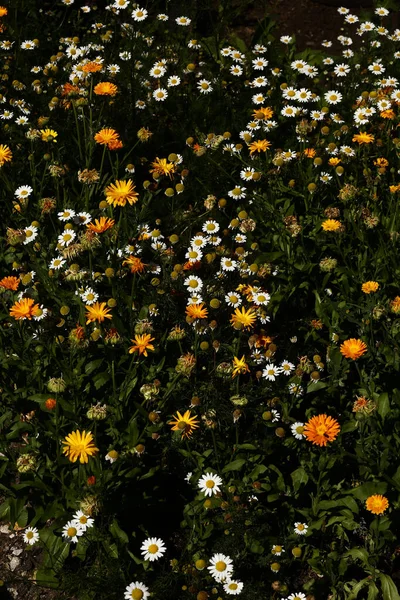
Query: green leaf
pixel 46 578
pixel 118 533
pixel 92 366
pixel 299 477
pixel 383 405
pixel 235 465
pixel 373 591
pixel 362 492
pixel 389 589
pixel 358 554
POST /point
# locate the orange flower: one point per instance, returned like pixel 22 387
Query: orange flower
pixel 334 161
pixel 369 287
pixel 117 145
pixel 197 311
pixel 309 152
pixel 381 162
pixel 92 67
pixel 331 225
pixel 264 112
pixel 5 154
pixel 141 344
pixel 135 263
pixel 363 138
pixel 394 304
pixel 259 146
pixel 388 114
pixel 24 309
pixel 162 167
pixel 121 192
pixel 106 136
pixel 97 312
pixel 3 11
pixel 105 88
pixel 10 283
pixel 353 348
pixel 321 429
pixel 376 504
pixel 101 225
pixel 50 403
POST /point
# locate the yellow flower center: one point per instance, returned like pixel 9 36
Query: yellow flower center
pixel 29 535
pixel 194 284
pixel 321 429
pixel 137 594
pixel 67 237
pixel 300 429
pixel 72 531
pixel 220 566
pixel 277 549
pixel 210 483
pixel 193 254
pixel 90 297
pixel 300 527
pixel 233 299
pixel 83 519
pixel 153 549
pixel 28 233
pixel 233 586
pixel 181 425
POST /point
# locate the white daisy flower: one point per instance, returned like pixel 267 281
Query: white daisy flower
pixel 157 71
pixel 236 70
pixel 71 531
pixel 83 520
pixel 57 263
pixel 261 298
pixel 297 596
pixel 286 367
pixel 271 372
pixel 195 299
pixel 221 567
pixel 333 97
pixel 210 227
pixel 298 430
pixel 259 63
pixel 66 214
pixel 286 39
pixel 233 299
pixel 139 14
pixel 30 234
pixel 259 81
pixel 341 70
pixel 210 484
pixel 66 237
pixel 277 550
pixel 198 241
pixel 173 81
pixel 227 264
pixel 303 95
pixel 237 193
pixel 160 94
pixel 193 283
pixel 152 549
pixel 233 587
pixel 84 218
pixel 31 535
pixel 136 590
pixel 204 86
pixel 276 415
pixel 194 254
pixel 300 528
pixel 24 191
pixel 247 174
pixel 188 476
pixel 289 111
pixel 184 21
pixel 381 12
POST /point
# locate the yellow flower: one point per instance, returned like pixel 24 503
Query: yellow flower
pixel 240 366
pixel 3 11
pixel 381 162
pixel 79 445
pixel 331 225
pixel 135 263
pixel 197 311
pixel 243 318
pixel 48 135
pixel 259 146
pixel 162 167
pixel 363 138
pixel 369 287
pixel 184 423
pixel 142 344
pixel 24 309
pixel 105 88
pixel 394 304
pixel 121 192
pixel 353 348
pixel 97 312
pixel 5 154
pixel 377 504
pixel 263 112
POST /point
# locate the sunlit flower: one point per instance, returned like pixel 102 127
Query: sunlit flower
pixel 197 311
pixel 5 154
pixel 243 318
pixel 363 138
pixel 160 166
pixel 136 591
pixel 377 504
pixel 210 484
pixel 221 567
pixel 79 445
pixel 240 367
pixel 153 549
pixel 24 309
pixel 141 344
pixel 97 312
pixel 10 283
pixel 121 192
pixel 105 136
pixel 259 146
pixel 353 348
pixel 298 430
pixel 105 88
pixel 300 528
pixel 321 429
pixel 31 534
pixel 369 287
pixel 331 225
pixel 48 135
pixel 83 520
pixel 101 225
pixel 135 264
pixel 184 423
